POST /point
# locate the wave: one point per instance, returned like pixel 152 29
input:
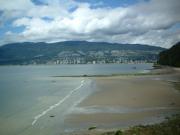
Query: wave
pixel 57 104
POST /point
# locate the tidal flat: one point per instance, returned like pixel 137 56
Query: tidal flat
pixel 120 102
pixel 33 101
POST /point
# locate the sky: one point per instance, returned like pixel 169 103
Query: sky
pixel 152 22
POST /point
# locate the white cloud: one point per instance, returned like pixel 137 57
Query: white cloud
pixel 16 4
pixel 146 22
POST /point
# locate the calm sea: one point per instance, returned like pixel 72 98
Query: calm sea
pixel 33 102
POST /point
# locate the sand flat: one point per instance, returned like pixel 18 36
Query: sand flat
pixel 133 92
pixel 108 118
pixel 129 92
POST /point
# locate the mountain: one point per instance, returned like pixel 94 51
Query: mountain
pixel 171 56
pixel 74 52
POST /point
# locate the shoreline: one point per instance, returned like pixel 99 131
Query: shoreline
pixel 162 70
pixel 155 89
pixel 73 64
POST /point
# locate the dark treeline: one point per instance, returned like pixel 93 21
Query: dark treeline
pixel 171 56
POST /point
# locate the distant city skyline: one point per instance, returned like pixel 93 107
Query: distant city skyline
pixel 152 22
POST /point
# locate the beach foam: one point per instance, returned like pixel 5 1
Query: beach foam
pixel 57 104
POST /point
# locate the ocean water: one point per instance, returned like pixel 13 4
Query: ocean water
pixel 32 101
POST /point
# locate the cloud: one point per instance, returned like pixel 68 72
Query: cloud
pixel 147 22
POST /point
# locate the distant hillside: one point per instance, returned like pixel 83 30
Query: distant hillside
pixel 79 51
pixel 171 56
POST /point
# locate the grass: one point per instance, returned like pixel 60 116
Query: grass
pixel 169 127
pixel 177 85
pixel 91 128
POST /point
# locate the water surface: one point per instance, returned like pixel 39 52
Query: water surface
pixel 34 102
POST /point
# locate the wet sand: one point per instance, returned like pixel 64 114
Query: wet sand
pixel 123 101
pixel 132 92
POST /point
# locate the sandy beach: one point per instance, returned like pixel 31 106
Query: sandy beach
pixel 123 101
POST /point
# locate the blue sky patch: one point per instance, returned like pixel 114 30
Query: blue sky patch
pixel 111 3
pixel 39 2
pixel 8 27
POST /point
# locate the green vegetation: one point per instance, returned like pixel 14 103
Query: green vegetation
pixel 170 127
pixel 91 128
pixel 177 85
pixel 76 52
pixel 171 56
pixel 119 132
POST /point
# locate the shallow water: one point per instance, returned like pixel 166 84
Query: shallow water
pixel 34 102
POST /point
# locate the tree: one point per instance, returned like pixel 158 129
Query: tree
pixel 171 56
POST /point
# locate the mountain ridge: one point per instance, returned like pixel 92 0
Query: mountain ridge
pixel 72 42
pixel 27 52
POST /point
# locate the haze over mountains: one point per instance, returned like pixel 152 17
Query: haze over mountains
pixel 76 52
